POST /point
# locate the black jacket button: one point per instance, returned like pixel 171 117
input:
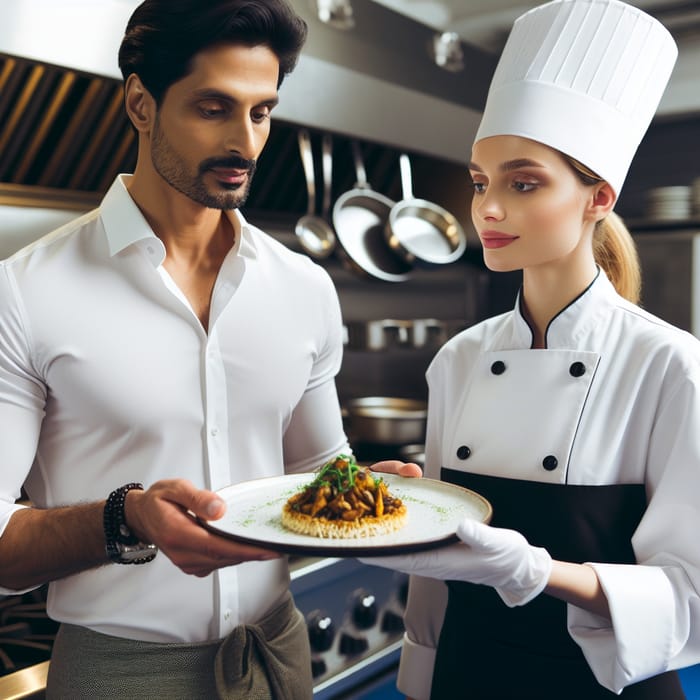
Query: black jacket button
pixel 498 367
pixel 577 369
pixel 550 463
pixel 463 452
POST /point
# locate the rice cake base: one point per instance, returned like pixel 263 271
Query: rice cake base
pixel 369 526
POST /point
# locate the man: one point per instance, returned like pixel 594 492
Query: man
pixel 162 340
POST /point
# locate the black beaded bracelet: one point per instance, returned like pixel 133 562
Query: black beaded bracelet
pixel 116 529
pixel 121 545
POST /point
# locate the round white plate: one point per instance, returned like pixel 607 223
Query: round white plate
pixel 434 509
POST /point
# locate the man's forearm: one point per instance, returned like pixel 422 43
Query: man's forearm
pixel 43 545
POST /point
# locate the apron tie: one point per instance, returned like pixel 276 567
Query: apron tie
pixel 255 656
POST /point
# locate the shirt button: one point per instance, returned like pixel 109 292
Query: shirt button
pixel 214 432
pixel 550 463
pixel 498 367
pixel 463 452
pixel 227 615
pixel 577 369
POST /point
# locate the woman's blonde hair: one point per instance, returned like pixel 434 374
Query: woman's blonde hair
pixel 613 247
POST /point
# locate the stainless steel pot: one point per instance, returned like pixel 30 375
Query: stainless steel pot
pixel 380 334
pixel 413 453
pixel 391 333
pixel 383 420
pixel 420 231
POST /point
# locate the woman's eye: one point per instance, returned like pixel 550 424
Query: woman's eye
pixel 479 187
pixel 521 186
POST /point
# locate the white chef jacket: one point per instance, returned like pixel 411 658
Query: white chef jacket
pixel 107 377
pixel 635 419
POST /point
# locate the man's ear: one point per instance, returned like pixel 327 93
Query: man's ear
pixel 602 201
pixel 140 105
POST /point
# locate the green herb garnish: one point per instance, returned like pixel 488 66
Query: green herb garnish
pixel 343 476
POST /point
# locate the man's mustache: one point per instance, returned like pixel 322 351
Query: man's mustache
pixel 230 163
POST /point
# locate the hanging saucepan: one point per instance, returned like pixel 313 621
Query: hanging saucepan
pixel 422 232
pixel 315 234
pixel 359 217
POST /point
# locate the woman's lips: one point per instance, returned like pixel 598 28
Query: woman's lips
pixel 496 239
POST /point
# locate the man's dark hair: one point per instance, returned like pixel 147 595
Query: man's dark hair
pixel 163 36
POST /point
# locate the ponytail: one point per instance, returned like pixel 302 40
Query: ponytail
pixel 615 252
pixel 613 247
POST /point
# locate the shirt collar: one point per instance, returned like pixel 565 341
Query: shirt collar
pixel 574 320
pixel 125 225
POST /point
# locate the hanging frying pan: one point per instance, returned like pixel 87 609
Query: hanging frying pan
pixel 420 231
pixel 314 232
pixel 359 218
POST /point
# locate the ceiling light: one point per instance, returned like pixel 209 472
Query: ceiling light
pixel 335 13
pixel 447 51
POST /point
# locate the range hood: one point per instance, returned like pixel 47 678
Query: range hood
pixel 64 136
pixel 377 81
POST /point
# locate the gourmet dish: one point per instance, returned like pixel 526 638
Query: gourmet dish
pixel 345 500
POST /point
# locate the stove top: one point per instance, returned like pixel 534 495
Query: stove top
pixel 26 631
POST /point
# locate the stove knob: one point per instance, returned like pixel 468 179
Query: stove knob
pixel 318 667
pixel 351 646
pixel 321 630
pixel 364 610
pixel 392 622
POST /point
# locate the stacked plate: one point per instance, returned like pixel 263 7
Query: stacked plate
pixel 695 204
pixel 669 203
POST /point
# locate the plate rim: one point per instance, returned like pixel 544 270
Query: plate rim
pixel 346 550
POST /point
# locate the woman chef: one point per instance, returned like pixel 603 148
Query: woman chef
pixel 577 414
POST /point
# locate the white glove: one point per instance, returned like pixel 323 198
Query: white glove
pixel 492 556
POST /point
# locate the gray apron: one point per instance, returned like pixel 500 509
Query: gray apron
pixel 269 660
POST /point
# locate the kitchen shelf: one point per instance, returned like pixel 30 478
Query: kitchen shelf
pixel 656 225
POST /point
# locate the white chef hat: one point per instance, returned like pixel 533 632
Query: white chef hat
pixel 584 77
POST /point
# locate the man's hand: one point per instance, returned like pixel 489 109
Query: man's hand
pixel 395 466
pixel 166 515
pixel 487 555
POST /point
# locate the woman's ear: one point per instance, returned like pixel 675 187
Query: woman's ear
pixel 140 105
pixel 602 201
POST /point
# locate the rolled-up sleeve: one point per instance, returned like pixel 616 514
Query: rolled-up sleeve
pixel 655 606
pixel 22 400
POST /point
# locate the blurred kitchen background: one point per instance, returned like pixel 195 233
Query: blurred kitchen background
pixel 378 79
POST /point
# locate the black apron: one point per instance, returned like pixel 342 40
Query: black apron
pixel 488 651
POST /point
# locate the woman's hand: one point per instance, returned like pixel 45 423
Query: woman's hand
pixel 166 515
pixel 487 555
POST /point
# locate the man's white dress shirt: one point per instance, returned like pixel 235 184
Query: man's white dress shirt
pixel 107 376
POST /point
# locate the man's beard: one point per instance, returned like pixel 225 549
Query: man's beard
pixel 173 170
